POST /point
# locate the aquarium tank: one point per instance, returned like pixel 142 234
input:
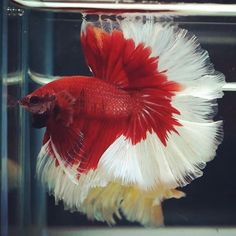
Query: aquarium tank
pixel 42 41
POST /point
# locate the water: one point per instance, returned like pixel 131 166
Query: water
pixel 47 43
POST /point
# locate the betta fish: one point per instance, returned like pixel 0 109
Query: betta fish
pixel 121 141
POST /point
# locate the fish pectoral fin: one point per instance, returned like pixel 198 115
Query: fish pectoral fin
pixel 64 108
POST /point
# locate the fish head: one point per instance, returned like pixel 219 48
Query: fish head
pixel 38 102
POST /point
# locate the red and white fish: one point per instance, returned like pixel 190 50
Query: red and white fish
pixel 125 138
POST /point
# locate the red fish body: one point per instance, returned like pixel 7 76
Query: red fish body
pixel 124 139
pixel 94 98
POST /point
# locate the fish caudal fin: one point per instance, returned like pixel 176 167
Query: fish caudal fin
pixel 131 166
pixel 176 86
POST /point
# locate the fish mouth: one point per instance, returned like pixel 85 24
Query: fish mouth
pixel 23 102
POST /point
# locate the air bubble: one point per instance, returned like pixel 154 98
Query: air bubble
pixel 13 11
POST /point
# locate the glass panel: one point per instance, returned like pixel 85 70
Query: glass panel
pixel 20 208
pixel 137 1
pixel 39 45
pixel 3 129
pixel 183 7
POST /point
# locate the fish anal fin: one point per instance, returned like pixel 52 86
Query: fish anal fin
pixel 99 135
pixel 80 146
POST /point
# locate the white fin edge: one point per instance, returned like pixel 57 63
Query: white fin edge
pixel 101 200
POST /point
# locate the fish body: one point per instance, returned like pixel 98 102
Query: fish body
pixel 90 97
pixel 125 138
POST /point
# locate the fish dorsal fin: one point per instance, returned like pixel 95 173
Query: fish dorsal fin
pixel 118 60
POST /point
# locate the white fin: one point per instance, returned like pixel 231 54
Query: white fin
pixel 149 163
pixel 106 201
pixel 180 55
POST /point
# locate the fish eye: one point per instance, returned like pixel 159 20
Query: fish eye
pixel 34 100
